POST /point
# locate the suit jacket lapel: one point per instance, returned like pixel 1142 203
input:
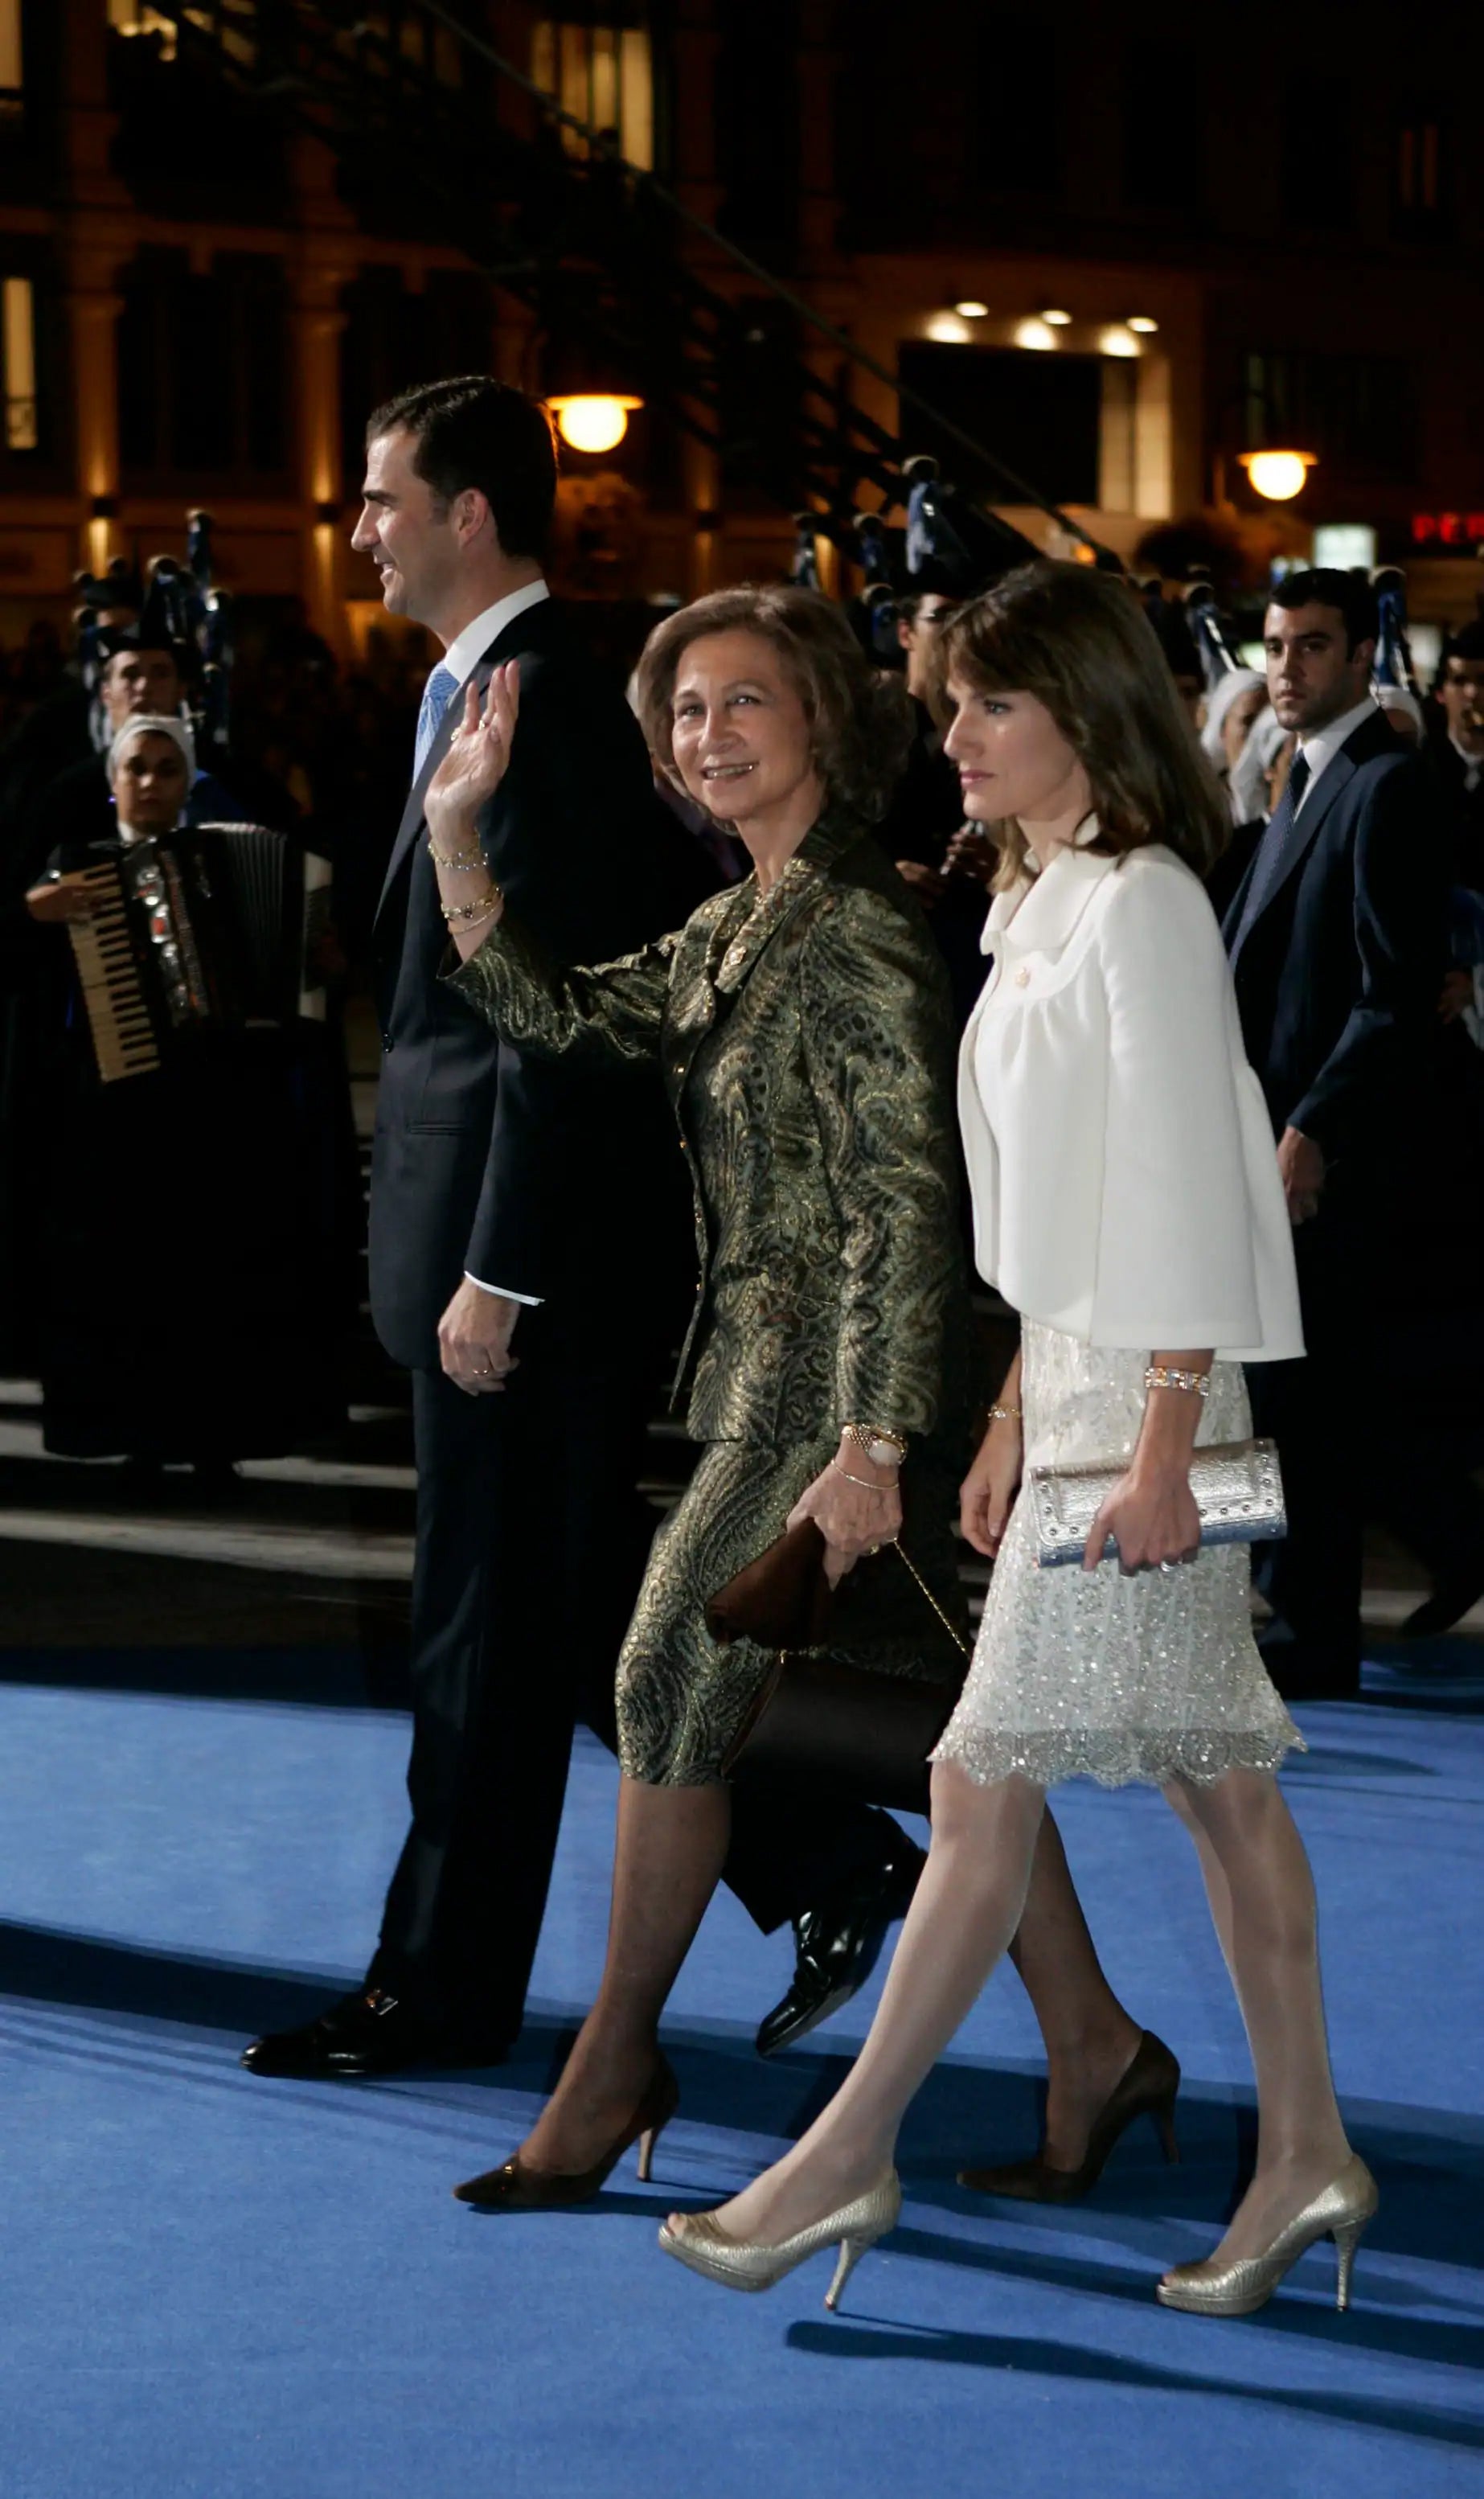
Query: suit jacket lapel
pixel 412 813
pixel 1338 772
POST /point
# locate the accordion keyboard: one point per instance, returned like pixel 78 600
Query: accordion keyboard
pixel 122 1029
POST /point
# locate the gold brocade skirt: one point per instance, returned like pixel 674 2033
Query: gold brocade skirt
pixel 682 1696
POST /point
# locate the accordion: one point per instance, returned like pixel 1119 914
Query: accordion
pixel 210 925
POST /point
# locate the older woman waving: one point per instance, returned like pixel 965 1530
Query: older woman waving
pixel 803 1030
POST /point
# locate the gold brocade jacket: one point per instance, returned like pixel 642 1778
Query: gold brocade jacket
pixel 806 1042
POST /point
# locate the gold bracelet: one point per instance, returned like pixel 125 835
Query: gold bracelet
pixel 1007 1414
pixel 470 915
pixel 462 860
pixel 866 1434
pixel 1196 1383
pixel 865 1486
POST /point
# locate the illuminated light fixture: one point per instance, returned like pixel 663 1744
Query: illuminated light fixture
pixel 592 420
pixel 1034 334
pixel 1119 339
pixel 1057 320
pixel 947 329
pixel 1141 322
pixel 971 309
pixel 1277 475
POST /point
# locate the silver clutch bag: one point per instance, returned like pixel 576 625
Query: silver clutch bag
pixel 1237 1491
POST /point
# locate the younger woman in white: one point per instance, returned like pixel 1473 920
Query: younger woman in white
pixel 1127 1203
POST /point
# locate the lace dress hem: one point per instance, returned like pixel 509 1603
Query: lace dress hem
pixel 1117 1757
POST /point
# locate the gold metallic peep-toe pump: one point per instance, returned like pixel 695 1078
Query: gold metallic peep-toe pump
pixel 1340 2213
pixel 700 2242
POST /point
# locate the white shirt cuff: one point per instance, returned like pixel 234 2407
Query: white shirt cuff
pixel 527 1301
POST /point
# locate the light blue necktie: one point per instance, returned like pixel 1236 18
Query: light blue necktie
pixel 436 695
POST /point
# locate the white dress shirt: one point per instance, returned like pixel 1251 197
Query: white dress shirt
pixel 460 659
pixel 1322 745
pixel 1124 1185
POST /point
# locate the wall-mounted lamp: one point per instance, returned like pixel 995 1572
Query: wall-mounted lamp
pixel 327 512
pixel 1277 475
pixel 1119 339
pixel 104 508
pixel 1034 334
pixel 592 420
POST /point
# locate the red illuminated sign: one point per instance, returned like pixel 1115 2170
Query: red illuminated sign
pixel 1448 529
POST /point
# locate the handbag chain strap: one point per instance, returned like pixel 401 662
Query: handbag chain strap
pixel 954 1636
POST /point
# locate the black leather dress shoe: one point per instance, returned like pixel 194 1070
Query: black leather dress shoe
pixel 838 1945
pixel 1451 1600
pixel 369 2033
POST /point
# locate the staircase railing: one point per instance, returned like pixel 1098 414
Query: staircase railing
pixel 594 245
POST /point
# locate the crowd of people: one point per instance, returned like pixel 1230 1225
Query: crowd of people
pixel 1217 1119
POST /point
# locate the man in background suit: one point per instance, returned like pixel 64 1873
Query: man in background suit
pixel 1336 936
pixel 521 1216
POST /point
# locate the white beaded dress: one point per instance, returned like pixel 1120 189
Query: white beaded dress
pixel 1154 1676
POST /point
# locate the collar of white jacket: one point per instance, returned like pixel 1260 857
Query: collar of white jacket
pixel 1037 914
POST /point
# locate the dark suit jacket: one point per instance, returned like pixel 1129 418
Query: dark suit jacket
pixel 486 1160
pixel 1464 809
pixel 1339 977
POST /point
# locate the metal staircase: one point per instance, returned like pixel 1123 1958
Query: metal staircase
pixel 608 260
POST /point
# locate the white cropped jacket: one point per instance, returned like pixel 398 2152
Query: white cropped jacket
pixel 1120 1154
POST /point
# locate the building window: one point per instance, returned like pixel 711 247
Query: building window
pixel 1357 413
pixel 18 318
pixel 1317 171
pixel 202 380
pixel 604 75
pixel 1163 126
pixel 1015 59
pixel 1420 172
pixel 133 17
pixel 12 61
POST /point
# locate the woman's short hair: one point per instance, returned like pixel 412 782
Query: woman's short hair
pixel 1081 644
pixel 860 721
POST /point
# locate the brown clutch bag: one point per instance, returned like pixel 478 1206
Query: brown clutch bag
pixel 861 1733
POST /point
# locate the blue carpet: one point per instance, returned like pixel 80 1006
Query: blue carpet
pixel 216 2285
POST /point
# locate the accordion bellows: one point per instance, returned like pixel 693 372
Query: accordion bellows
pixel 1238 1489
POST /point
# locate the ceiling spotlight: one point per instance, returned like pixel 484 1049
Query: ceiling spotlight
pixel 1034 334
pixel 947 329
pixel 1141 322
pixel 1118 341
pixel 1057 320
pixel 971 309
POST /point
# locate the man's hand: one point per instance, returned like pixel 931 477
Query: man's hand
pixel 474 1336
pixel 1301 1169
pixel 1456 994
pixel 56 901
pixel 971 853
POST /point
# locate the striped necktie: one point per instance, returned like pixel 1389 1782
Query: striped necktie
pixel 435 693
pixel 1273 851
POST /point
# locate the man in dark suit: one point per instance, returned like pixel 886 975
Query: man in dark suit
pixel 1336 935
pixel 520 1217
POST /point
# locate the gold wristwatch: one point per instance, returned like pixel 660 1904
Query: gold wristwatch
pixel 884 1449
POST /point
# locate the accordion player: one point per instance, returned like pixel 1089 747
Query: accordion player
pixel 205 925
pixel 202 1200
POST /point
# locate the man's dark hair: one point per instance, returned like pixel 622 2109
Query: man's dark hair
pixel 1323 585
pixel 1467 643
pixel 484 434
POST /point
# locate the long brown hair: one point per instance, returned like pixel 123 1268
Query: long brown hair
pixel 860 723
pixel 1079 642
